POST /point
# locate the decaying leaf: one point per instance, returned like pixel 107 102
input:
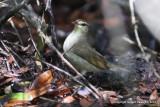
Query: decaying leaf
pixel 43 79
pixel 39 91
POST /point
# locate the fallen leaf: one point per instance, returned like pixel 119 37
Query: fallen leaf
pixel 68 99
pixel 42 80
pixel 61 92
pixel 39 91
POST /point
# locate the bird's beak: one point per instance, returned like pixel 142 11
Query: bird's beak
pixel 74 22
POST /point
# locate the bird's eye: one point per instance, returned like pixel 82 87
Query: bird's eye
pixel 83 24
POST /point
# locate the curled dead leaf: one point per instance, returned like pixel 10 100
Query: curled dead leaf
pixel 43 79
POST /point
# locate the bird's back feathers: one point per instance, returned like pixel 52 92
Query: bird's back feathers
pixel 90 55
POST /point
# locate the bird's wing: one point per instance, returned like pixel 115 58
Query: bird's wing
pixel 91 55
pixel 79 63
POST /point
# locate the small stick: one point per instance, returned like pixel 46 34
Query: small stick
pixel 69 75
pixel 14 27
pixel 11 51
pixel 7 64
pixel 52 20
pixel 31 37
pixel 134 23
pixel 3 52
pixel 47 99
pixel 144 47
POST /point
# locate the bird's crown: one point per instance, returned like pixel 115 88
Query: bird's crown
pixel 80 22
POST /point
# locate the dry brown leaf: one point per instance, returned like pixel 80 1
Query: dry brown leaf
pixel 15 103
pixel 39 91
pixel 68 99
pixel 61 92
pixel 43 79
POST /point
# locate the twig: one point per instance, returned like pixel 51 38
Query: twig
pixel 69 75
pixel 18 45
pixel 47 99
pixel 144 47
pixel 7 64
pixel 134 23
pixel 11 51
pixel 34 44
pixel 4 46
pixel 3 52
pixel 52 19
pixel 14 27
pixel 12 11
pixel 14 53
pixel 38 2
pixel 3 4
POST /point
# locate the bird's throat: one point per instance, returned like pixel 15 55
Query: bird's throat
pixel 75 37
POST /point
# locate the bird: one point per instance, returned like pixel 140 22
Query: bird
pixel 78 49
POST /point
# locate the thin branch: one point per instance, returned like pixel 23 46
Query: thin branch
pixel 144 47
pixel 14 27
pixel 3 52
pixel 134 23
pixel 12 11
pixel 31 37
pixel 49 100
pixel 9 50
pixel 69 75
pixel 52 19
pixel 7 64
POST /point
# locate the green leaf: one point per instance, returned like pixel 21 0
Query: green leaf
pixel 20 96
